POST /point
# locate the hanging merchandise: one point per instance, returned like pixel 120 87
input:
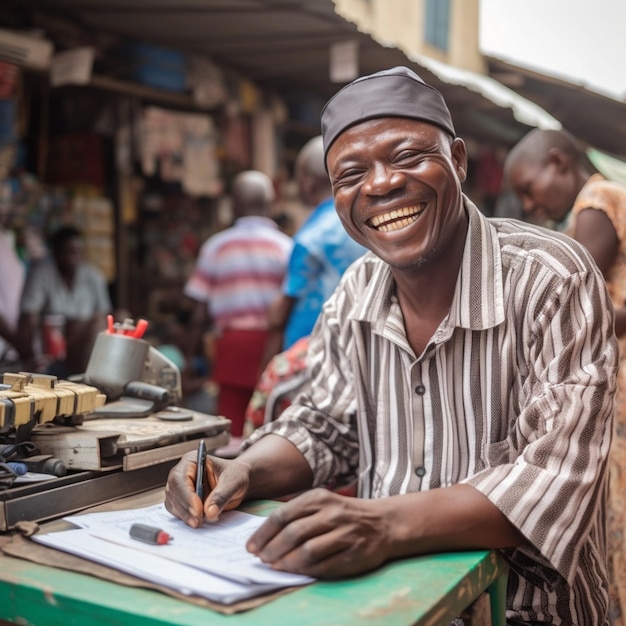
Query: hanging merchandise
pixel 180 147
pixel 236 141
pixel 206 82
pixel 161 144
pixel 200 165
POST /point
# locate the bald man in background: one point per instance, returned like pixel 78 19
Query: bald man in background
pixel 548 170
pixel 238 274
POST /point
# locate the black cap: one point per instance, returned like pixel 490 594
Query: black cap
pixel 397 92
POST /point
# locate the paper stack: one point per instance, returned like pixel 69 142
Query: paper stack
pixel 211 562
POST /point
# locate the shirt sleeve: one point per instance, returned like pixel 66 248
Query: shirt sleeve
pixel 302 271
pixel 549 475
pixel 321 422
pixel 606 196
pixel 199 283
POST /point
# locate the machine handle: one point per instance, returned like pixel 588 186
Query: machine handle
pixel 137 389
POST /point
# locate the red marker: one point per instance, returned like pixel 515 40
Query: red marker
pixel 110 328
pixel 150 534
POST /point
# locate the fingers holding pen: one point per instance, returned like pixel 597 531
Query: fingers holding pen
pixel 180 496
pixel 201 487
pixel 228 481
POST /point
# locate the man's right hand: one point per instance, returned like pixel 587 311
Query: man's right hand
pixel 228 482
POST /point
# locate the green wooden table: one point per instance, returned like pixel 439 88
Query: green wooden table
pixel 423 590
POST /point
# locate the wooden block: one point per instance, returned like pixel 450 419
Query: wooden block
pixel 101 399
pixel 79 393
pixel 23 410
pixel 17 381
pixel 66 400
pixel 91 400
pixel 85 397
pixel 43 380
pixel 68 387
pixel 11 394
pixel 50 408
pixel 36 400
pixel 45 402
pixel 22 403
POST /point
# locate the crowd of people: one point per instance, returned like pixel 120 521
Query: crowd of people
pixel 465 374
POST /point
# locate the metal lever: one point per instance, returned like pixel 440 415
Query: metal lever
pixel 145 391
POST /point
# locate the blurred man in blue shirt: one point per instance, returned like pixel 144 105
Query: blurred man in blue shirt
pixel 322 252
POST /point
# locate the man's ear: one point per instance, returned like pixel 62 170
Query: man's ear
pixel 561 160
pixel 459 157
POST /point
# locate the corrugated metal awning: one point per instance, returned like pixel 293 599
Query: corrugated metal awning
pixel 597 119
pixel 284 46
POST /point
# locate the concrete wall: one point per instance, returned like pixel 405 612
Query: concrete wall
pixel 401 23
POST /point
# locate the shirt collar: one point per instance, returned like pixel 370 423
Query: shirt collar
pixel 249 221
pixel 478 301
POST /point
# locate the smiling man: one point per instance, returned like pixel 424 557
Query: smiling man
pixel 464 371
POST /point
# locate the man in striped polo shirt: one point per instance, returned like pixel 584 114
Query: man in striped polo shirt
pixel 464 371
pixel 238 274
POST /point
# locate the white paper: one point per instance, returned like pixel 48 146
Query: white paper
pixel 210 561
pixel 184 579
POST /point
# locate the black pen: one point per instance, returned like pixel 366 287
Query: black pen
pixel 200 469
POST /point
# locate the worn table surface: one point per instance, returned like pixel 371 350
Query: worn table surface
pixel 423 590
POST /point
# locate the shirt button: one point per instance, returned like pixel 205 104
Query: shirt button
pixel 420 471
pixel 420 390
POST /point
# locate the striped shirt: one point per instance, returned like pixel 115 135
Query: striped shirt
pixel 239 273
pixel 513 395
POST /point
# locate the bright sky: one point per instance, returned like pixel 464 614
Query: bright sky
pixel 582 41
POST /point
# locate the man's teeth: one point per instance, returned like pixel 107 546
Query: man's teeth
pixel 396 219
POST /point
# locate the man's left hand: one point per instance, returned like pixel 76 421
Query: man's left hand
pixel 325 535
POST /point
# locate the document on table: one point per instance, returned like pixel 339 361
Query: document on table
pixel 210 561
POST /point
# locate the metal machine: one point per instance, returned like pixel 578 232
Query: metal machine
pixel 90 424
pixel 136 378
